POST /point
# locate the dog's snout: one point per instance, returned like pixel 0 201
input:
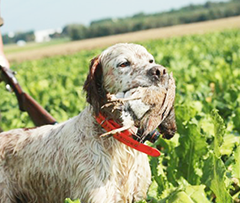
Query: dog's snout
pixel 157 71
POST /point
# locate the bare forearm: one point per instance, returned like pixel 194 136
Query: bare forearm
pixel 1 44
pixel 3 60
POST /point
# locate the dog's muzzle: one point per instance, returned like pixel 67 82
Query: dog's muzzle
pixel 156 72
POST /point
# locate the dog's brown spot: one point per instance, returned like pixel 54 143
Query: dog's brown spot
pixel 27 129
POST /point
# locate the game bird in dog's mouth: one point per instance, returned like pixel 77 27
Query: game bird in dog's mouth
pixel 144 109
pixel 129 95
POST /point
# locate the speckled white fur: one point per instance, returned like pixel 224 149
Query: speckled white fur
pixel 121 79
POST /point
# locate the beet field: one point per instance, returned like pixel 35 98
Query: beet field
pixel 201 164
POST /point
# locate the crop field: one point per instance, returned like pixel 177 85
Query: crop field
pixel 201 164
pixel 64 47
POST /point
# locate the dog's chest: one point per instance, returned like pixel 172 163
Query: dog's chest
pixel 131 174
pixel 123 178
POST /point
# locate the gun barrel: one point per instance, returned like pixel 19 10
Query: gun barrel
pixel 36 112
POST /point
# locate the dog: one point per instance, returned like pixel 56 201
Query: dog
pixel 71 159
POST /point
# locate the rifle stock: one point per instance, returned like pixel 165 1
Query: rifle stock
pixel 26 103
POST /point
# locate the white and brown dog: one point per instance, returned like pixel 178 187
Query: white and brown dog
pixel 70 159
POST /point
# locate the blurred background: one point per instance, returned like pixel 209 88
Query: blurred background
pixel 44 21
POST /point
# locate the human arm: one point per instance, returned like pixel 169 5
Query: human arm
pixel 3 60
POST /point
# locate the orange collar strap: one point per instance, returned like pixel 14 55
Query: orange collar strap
pixel 126 136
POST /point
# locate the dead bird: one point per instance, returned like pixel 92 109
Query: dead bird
pixel 144 109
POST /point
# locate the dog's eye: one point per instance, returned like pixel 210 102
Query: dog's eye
pixel 151 61
pixel 125 64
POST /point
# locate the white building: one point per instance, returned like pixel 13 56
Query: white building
pixel 44 35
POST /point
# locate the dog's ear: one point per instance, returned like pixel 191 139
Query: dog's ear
pixel 93 85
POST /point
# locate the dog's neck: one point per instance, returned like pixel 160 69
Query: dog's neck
pixel 125 136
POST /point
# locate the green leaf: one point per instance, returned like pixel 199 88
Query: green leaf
pixel 236 166
pixel 191 150
pixel 229 142
pixel 197 193
pixel 163 177
pixel 214 177
pixel 187 194
pixel 142 201
pixel 185 112
pixel 214 169
pixel 68 200
pixel 236 119
pixel 219 131
pixel 170 158
pixel 160 181
pixel 153 191
pixel 180 197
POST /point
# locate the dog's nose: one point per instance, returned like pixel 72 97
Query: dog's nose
pixel 157 72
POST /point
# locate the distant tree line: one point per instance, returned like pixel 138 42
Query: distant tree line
pixel 142 21
pixel 25 36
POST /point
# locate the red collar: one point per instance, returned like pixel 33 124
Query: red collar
pixel 126 136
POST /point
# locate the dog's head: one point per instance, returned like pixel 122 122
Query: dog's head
pixel 118 69
pixel 123 67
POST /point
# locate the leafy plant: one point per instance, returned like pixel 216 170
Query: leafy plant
pixel 68 200
pixel 202 162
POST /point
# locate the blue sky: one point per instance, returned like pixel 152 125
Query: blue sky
pixel 44 14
